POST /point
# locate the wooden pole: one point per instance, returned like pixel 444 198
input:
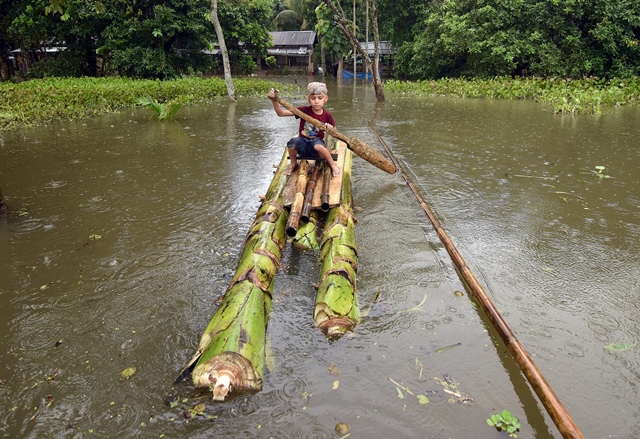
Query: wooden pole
pixel 552 404
pixel 353 143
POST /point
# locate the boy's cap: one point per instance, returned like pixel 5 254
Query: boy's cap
pixel 316 88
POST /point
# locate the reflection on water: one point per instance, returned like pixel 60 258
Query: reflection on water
pixel 123 231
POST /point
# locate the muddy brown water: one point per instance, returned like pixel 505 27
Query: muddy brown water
pixel 122 231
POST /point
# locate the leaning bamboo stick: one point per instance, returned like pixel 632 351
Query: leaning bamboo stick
pixel 353 143
pixel 552 404
pixel 298 198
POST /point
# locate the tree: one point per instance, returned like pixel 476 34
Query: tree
pixel 223 49
pixel 331 37
pixel 343 25
pixel 526 37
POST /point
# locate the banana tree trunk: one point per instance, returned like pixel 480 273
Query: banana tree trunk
pixel 336 309
pixel 307 236
pixel 230 356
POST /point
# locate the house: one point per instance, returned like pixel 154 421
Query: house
pixel 292 50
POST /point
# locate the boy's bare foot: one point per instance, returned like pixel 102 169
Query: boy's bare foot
pixel 290 169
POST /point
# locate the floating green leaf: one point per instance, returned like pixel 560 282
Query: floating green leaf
pixel 128 372
pixel 423 399
pixel 400 394
pixel 619 347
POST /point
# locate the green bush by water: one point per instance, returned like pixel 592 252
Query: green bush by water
pixel 589 95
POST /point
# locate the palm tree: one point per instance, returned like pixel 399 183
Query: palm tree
pixel 291 15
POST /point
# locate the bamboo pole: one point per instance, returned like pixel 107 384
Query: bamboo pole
pixel 552 404
pixel 298 198
pixel 230 355
pixel 308 196
pixel 326 182
pixel 353 143
pixel 336 309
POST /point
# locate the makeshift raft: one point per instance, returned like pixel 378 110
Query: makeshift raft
pixel 230 355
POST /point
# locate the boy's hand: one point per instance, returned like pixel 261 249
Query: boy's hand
pixel 328 126
pixel 273 93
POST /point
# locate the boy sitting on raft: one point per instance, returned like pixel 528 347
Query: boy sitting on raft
pixel 310 140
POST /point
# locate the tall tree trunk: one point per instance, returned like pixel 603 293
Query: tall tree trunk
pixel 355 66
pixel 223 49
pixel 376 57
pixel 343 23
pixel 323 58
pixel 366 35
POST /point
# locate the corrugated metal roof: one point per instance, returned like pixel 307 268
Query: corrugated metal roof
pixel 294 38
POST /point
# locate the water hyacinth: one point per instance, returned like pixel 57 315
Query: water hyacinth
pixel 39 101
pixel 588 95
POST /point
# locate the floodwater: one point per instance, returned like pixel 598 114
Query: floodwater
pixel 122 231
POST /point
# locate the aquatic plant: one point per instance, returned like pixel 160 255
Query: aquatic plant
pixel 567 96
pixel 505 421
pixel 40 101
pixel 165 110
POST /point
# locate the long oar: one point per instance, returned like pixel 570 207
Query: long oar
pixel 355 144
pixel 554 407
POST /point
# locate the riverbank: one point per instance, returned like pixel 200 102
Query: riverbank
pixel 588 95
pixel 36 102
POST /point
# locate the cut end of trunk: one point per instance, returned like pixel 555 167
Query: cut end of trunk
pixel 226 372
pixel 336 327
pixel 332 326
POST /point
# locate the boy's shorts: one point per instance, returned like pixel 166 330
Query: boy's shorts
pixel 304 146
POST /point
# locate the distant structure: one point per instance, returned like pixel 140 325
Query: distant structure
pixel 293 51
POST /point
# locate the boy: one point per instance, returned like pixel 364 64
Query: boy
pixel 310 140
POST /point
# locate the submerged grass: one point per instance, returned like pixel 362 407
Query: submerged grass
pixel 39 101
pixel 588 95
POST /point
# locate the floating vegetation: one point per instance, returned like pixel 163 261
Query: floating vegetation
pixel 620 347
pixel 566 96
pixel 505 421
pixel 128 372
pixel 598 172
pixel 164 111
pixel 39 101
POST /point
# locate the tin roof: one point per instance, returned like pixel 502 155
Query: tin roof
pixel 294 38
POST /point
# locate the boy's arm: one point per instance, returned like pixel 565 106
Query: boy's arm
pixel 278 109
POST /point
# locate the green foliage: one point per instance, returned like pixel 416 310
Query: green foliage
pixel 401 20
pixel 65 64
pixel 333 40
pixel 38 101
pixel 244 64
pixel 245 25
pixel 164 111
pixel 588 95
pixel 150 39
pixel 141 63
pixel 566 38
pixel 505 421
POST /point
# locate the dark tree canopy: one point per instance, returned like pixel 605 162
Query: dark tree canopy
pixel 571 38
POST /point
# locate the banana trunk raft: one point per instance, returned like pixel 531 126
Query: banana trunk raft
pixel 231 352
